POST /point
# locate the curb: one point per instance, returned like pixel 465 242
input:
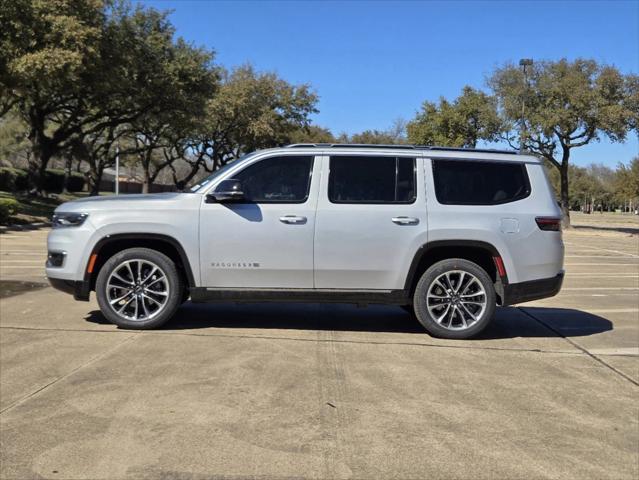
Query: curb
pixel 25 227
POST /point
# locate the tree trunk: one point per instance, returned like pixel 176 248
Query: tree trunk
pixel 38 166
pixel 98 179
pixel 146 180
pixel 565 202
pixel 67 174
pixel 95 177
pixel 565 197
pixel 181 183
pixel 42 151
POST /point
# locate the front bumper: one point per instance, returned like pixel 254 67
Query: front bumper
pixel 532 290
pixel 80 290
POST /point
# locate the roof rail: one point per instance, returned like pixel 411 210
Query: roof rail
pixel 399 147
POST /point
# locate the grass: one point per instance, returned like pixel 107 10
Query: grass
pixel 38 209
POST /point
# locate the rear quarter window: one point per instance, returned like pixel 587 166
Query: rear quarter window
pixel 464 182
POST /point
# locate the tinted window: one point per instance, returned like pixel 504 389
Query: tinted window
pixel 277 180
pixel 371 180
pixel 460 182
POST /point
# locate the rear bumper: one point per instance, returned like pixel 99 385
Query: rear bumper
pixel 79 290
pixel 532 290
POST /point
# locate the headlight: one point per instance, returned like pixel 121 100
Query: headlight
pixel 61 220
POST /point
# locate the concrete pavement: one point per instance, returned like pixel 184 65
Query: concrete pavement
pixel 550 390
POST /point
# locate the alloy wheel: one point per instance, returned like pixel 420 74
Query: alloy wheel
pixel 456 300
pixel 137 290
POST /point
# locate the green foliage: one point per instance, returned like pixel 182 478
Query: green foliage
pixel 597 186
pixel 14 145
pixel 257 110
pixel 375 137
pixel 395 135
pixel 627 180
pixel 13 179
pixel 469 118
pixel 75 70
pixel 567 105
pixel 250 111
pixel 8 208
pixel 48 45
pixel 180 81
pixel 312 134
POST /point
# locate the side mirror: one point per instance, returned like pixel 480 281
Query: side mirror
pixel 227 191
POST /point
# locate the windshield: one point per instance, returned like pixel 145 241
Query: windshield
pixel 217 173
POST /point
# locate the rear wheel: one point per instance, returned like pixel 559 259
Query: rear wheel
pixel 139 288
pixel 454 298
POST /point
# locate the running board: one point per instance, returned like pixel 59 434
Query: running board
pixel 300 295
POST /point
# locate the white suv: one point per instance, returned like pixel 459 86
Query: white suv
pixel 447 233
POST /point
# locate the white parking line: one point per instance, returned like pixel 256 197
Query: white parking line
pixel 596 294
pixel 19 266
pixel 605 264
pixel 13 260
pixel 595 256
pixel 601 288
pixel 21 252
pixel 605 250
pixel 598 275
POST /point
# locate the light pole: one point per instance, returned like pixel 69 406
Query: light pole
pixel 524 62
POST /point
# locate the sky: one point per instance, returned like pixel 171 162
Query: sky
pixel 371 62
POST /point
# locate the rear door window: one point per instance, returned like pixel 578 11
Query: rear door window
pixel 371 179
pixel 472 182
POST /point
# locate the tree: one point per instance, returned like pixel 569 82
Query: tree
pixel 395 135
pixel 312 134
pixel 184 80
pixel 49 49
pixel 627 183
pixel 462 123
pixel 75 68
pixel 14 144
pixel 568 105
pixel 250 111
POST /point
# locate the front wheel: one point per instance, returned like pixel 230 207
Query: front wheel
pixel 455 299
pixel 139 288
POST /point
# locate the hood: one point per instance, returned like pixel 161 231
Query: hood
pixel 121 201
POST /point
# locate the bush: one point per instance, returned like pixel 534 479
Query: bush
pixel 16 179
pixel 54 181
pixel 76 182
pixel 13 179
pixel 8 207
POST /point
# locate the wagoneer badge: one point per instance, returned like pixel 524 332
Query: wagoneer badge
pixel 235 265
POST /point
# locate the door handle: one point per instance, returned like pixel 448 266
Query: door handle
pixel 405 220
pixel 293 219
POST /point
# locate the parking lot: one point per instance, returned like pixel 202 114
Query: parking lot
pixel 549 390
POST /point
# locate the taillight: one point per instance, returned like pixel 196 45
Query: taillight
pixel 552 224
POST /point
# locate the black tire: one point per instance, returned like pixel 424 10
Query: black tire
pixel 456 330
pixel 173 283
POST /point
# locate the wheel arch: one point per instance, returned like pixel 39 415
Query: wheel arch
pixel 109 245
pixel 480 252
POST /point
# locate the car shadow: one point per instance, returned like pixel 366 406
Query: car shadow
pixel 509 322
